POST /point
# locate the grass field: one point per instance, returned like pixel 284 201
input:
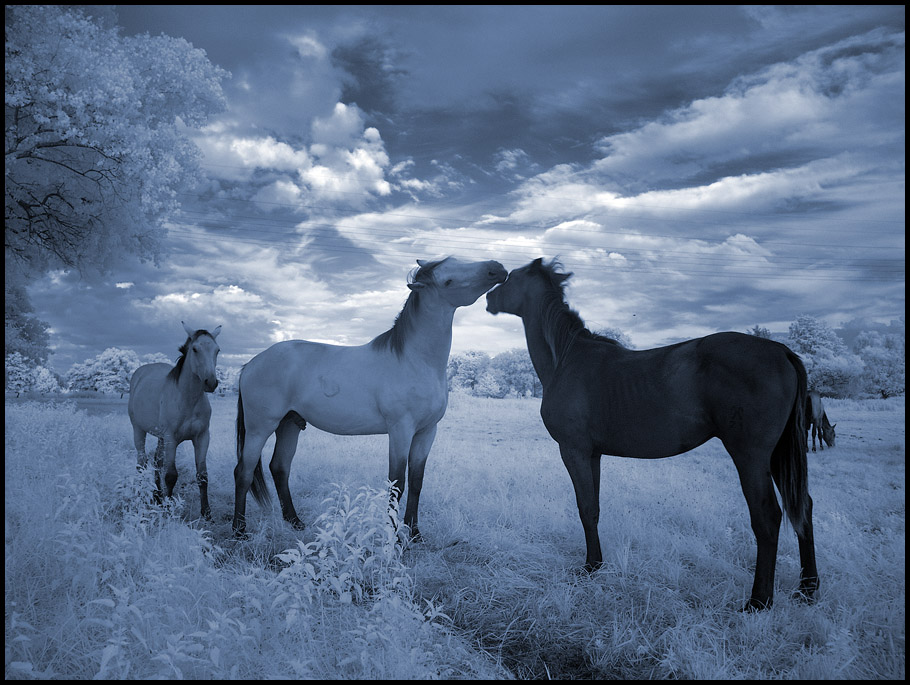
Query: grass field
pixel 99 583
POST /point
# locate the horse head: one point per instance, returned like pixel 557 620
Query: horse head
pixel 457 282
pixel 524 285
pixel 200 355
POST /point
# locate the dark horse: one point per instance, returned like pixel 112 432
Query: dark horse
pixel 601 398
pixel 817 421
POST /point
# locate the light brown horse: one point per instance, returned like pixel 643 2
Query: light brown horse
pixel 818 423
pixel 395 384
pixel 601 398
pixel 170 403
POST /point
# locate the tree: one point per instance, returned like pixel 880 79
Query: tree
pixel 465 369
pixel 884 357
pixel 22 375
pixel 515 372
pixel 95 142
pixel 109 372
pixel 760 332
pixel 832 369
pixel 25 334
pixel 616 334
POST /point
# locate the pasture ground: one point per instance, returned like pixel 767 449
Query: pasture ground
pixel 99 583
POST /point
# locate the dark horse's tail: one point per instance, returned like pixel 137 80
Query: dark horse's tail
pixel 788 462
pixel 260 492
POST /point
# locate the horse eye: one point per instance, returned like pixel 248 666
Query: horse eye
pixel 448 283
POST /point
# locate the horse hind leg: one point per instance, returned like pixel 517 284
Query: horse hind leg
pixel 765 516
pixel 200 449
pixel 285 447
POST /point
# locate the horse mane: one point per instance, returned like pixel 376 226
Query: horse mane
pixel 174 374
pixel 395 338
pixel 561 324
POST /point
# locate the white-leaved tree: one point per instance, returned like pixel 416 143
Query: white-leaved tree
pixel 109 372
pixel 23 376
pixel 884 356
pixel 96 144
pixel 833 370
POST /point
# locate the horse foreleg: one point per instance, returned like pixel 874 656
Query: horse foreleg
pixel 813 429
pixel 142 458
pixel 417 460
pixel 400 439
pixel 200 449
pixel 586 481
pixel 157 463
pixel 170 464
pixel 285 446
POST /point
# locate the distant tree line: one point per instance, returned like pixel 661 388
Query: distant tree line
pixel 873 366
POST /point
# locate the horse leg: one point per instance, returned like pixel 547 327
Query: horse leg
pixel 584 471
pixel 765 515
pixel 142 458
pixel 417 460
pixel 170 465
pixel 200 449
pixel 243 477
pixel 285 446
pixel 400 439
pixel 813 429
pixel 158 461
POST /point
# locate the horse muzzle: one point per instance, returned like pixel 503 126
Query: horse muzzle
pixel 210 384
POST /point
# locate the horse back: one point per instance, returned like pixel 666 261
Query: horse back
pixel 668 400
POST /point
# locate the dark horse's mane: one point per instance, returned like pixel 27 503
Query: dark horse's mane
pixel 174 374
pixel 394 338
pixel 561 324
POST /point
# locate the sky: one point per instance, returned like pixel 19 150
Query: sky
pixel 698 169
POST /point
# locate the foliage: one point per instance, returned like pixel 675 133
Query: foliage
pixel 24 333
pixel 884 358
pixel 833 370
pixel 760 332
pixel 95 142
pixel 617 335
pixel 23 376
pixel 109 372
pixel 102 583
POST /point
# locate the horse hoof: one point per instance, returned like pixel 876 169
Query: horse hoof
pixel 240 535
pixel 297 524
pixel 754 605
pixel 806 592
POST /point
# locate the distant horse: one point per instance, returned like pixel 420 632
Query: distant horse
pixel 601 398
pixel 395 384
pixel 818 421
pixel 170 403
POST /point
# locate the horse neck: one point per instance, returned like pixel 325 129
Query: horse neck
pixel 189 386
pixel 550 329
pixel 431 339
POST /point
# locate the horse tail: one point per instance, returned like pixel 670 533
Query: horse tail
pixel 789 464
pixel 258 488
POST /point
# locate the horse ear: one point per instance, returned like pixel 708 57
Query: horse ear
pixel 417 286
pixel 421 263
pixel 834 426
pixel 537 262
pixel 189 331
pixel 563 277
pixel 216 332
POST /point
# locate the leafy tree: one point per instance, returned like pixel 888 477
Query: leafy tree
pixel 809 336
pixel 884 356
pixel 25 334
pixel 617 335
pixel 109 372
pixel 832 369
pixel 17 373
pixel 760 332
pixel 516 373
pixel 95 142
pixel 465 369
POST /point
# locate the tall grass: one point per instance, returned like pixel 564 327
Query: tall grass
pixel 100 583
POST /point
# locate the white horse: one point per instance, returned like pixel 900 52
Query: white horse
pixel 170 403
pixel 395 384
